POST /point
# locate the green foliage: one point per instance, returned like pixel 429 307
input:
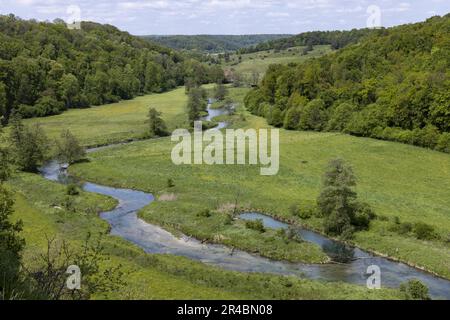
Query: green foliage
pixel 157 125
pixel 204 213
pixel 49 270
pixel 394 85
pixel 69 149
pixel 313 116
pixel 72 190
pixel 220 92
pixel 95 65
pixel 256 225
pixel 11 245
pixel 212 43
pixel 196 104
pixel 170 183
pixel 29 145
pixel 337 202
pixel 415 290
pixel 5 168
pixel 424 231
pixel 337 39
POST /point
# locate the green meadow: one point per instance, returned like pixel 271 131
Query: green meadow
pixel 259 62
pixel 398 181
pixel 39 204
pixel 119 121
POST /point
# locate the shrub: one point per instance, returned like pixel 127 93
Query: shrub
pixel 294 209
pixel 424 231
pixel 204 213
pixel 401 228
pixel 72 190
pixel 340 116
pixel 443 143
pixel 363 216
pixel 256 225
pixel 170 183
pixel 415 290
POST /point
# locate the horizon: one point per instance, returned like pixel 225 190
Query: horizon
pixel 230 17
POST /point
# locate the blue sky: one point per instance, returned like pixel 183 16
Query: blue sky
pixel 230 16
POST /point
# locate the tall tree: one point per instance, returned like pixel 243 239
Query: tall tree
pixel 69 149
pixel 196 104
pixel 29 145
pixel 336 201
pixel 157 126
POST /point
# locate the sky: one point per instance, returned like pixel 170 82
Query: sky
pixel 147 17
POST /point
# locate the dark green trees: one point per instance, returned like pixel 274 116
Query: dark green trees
pixel 196 104
pixel 157 126
pixel 394 85
pixel 29 145
pixel 220 92
pixel 415 290
pixel 338 204
pixel 46 68
pixel 11 245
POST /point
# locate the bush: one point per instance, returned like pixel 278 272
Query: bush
pixel 204 213
pixel 363 216
pixel 294 210
pixel 256 225
pixel 443 143
pixel 170 183
pixel 340 116
pixel 415 290
pixel 401 228
pixel 424 231
pixel 72 190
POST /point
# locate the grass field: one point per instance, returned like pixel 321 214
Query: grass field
pixel 259 61
pixel 119 121
pixel 153 276
pixel 397 180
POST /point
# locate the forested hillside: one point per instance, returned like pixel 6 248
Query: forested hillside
pixel 213 43
pixel 46 68
pixel 337 40
pixel 393 85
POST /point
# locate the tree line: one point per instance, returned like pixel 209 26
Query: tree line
pixel 337 40
pixel 45 68
pixel 393 85
pixel 212 43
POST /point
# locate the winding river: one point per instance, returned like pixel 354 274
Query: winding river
pixel 350 263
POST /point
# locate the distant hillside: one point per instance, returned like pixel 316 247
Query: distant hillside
pixel 213 43
pixel 393 85
pixel 336 39
pixel 45 68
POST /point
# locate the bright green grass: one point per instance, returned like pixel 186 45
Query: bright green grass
pixel 119 121
pixel 154 276
pixel 395 179
pixel 259 61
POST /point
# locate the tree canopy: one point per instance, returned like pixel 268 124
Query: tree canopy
pixel 45 68
pixel 393 85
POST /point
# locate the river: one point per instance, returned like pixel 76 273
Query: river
pixel 350 263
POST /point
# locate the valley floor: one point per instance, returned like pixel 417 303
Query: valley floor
pixel 396 180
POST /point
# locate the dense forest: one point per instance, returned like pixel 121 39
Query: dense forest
pixel 393 85
pixel 337 40
pixel 45 68
pixel 213 43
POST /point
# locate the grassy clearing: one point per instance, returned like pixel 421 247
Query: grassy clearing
pixel 396 180
pixel 259 61
pixel 119 121
pixel 154 276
